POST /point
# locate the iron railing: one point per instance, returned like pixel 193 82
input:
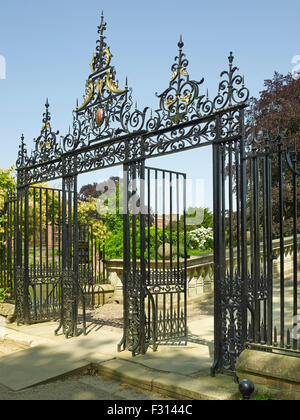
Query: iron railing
pixel 273 212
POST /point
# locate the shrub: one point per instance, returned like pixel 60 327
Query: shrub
pixel 4 295
pixel 201 238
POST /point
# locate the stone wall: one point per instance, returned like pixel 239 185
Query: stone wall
pixel 200 269
pixel 273 374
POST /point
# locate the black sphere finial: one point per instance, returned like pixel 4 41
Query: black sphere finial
pixel 246 388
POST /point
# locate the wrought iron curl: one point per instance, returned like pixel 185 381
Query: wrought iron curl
pixel 22 160
pixel 232 89
pixel 177 102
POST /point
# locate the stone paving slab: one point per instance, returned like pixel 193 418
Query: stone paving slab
pixel 188 360
pixel 79 388
pixel 50 359
pixel 204 387
pixel 37 365
pixel 128 372
pixel 176 372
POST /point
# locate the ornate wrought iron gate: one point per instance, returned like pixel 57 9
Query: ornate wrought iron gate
pixel 230 250
pixel 44 219
pixel 273 254
pixel 155 254
pixel 108 131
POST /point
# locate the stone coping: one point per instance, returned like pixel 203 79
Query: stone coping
pixel 202 259
pixel 271 365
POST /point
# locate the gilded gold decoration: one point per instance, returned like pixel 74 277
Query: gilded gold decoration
pixel 111 85
pixel 168 104
pixel 89 94
pixel 175 73
pixel 99 86
pixel 184 72
pixel 108 56
pixel 46 144
pixel 46 125
pixel 93 63
pixel 186 98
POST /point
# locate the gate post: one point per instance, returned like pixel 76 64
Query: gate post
pixel 142 258
pixel 244 251
pixel 231 284
pixel 126 259
pixel 134 278
pixel 22 249
pixel 70 289
pixel 218 260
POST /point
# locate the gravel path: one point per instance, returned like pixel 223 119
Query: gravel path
pixel 110 314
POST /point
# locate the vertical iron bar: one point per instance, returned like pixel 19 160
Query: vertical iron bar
pixel 295 245
pixel 269 233
pixel 218 263
pixel 281 221
pixel 244 266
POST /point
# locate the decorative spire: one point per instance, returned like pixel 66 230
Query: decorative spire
pixel 232 90
pixel 176 101
pixel 230 59
pixel 46 144
pixel 102 57
pixel 46 118
pixel 101 30
pixel 180 43
pixel 22 154
pixel 101 86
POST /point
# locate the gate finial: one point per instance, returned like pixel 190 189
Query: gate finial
pixel 178 101
pixel 180 43
pixel 104 102
pixel 22 154
pixel 232 90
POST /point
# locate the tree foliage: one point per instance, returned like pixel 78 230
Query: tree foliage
pixel 7 183
pixel 278 109
pixel 277 106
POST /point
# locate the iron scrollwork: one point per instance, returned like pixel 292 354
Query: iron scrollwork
pixel 109 130
pixel 107 121
pixel 106 109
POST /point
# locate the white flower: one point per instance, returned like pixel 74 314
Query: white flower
pixel 200 236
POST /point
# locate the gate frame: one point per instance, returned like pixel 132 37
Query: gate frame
pixel 185 120
pixel 137 281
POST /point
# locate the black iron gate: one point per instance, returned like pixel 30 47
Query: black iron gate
pixel 155 281
pixel 44 221
pixel 230 250
pixel 273 250
pixel 109 131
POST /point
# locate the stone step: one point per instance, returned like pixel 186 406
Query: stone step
pixel 173 385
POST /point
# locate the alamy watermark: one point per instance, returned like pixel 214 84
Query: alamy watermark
pixel 2 68
pixel 188 197
pixel 296 68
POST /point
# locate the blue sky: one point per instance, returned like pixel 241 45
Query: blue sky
pixel 48 47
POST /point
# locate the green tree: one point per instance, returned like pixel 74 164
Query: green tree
pixel 7 183
pixel 278 105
